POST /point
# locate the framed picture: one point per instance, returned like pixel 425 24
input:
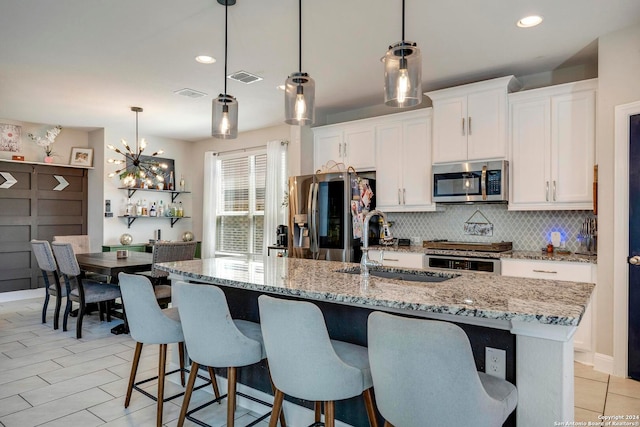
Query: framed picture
pixel 81 156
pixel 10 137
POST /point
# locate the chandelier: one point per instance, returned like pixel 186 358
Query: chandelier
pixel 138 169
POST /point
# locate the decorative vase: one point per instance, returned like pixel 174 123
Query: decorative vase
pixel 48 159
pixel 126 239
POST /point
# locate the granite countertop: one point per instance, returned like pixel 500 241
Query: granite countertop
pixel 479 295
pixel 531 255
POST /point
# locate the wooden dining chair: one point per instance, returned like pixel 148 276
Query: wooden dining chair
pixel 85 291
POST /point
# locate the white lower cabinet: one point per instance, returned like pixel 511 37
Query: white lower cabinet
pixel 583 339
pixel 398 259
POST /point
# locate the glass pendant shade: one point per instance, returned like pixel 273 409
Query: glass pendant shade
pixel 403 75
pixel 299 99
pixel 225 117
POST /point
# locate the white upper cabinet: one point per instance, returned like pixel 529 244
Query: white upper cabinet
pixel 351 143
pixel 403 166
pixel 470 121
pixel 552 140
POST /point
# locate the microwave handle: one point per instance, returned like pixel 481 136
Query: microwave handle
pixel 483 183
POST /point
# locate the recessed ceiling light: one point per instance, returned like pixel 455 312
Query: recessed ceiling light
pixel 205 59
pixel 529 21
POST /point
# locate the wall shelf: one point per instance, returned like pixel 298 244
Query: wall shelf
pixel 174 193
pixel 174 219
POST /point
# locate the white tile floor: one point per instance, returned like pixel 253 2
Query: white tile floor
pixel 49 378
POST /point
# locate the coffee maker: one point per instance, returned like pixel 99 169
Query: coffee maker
pixel 282 234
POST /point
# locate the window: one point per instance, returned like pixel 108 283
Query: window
pixel 240 205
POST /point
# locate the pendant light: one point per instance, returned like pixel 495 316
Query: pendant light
pixel 403 73
pixel 225 107
pixel 300 89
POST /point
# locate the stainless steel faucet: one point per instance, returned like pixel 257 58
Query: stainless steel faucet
pixel 365 262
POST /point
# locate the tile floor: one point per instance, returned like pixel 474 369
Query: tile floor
pixel 48 378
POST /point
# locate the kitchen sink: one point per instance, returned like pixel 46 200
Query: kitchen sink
pixel 401 274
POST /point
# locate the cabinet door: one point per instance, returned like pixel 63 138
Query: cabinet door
pixel 360 147
pixel 388 147
pixel 572 148
pixel 416 164
pixel 327 145
pixel 530 150
pixel 486 124
pixel 449 131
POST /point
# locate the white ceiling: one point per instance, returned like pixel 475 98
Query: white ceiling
pixel 84 63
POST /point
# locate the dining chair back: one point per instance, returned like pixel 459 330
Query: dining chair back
pixel 47 264
pixel 81 243
pixel 424 374
pixel 167 252
pixel 86 291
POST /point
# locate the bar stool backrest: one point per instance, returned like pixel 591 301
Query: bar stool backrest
pixel 211 336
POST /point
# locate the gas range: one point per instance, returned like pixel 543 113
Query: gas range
pixel 465 255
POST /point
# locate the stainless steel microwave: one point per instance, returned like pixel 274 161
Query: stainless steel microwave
pixel 473 182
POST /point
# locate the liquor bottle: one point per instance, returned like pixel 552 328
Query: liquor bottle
pixel 139 208
pixel 145 208
pixel 160 209
pixel 171 182
pixel 152 211
pixel 180 210
pixel 181 182
pixel 130 208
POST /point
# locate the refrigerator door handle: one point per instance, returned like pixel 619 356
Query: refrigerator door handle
pixel 313 226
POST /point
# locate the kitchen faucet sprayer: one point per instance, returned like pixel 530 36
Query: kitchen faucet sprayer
pixel 365 262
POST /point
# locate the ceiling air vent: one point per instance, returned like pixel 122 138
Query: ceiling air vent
pixel 190 93
pixel 244 77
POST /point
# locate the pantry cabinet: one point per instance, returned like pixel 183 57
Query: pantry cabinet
pixel 350 143
pixel 470 121
pixel 583 339
pixel 552 138
pixel 403 166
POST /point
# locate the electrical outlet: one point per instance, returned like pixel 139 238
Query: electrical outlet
pixel 495 362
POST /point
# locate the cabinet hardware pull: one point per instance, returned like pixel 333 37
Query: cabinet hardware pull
pixel 555 192
pixel 545 271
pixel 635 260
pixel 463 134
pixel 391 259
pixel 344 150
pixel 404 196
pixel 340 150
pixel 469 125
pixel 399 200
pixel 547 196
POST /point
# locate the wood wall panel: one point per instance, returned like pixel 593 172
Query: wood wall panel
pixel 32 209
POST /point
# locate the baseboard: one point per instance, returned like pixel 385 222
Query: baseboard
pixel 585 357
pixel 603 363
pixel 21 295
pixel 295 415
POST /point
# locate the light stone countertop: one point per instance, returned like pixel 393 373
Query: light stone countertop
pixel 476 295
pixel 531 255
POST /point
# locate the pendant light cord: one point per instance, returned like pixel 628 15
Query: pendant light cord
pixel 226 9
pixel 403 20
pixel 300 36
pixel 137 146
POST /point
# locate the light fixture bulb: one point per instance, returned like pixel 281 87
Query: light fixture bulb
pixel 301 106
pixel 403 85
pixel 224 122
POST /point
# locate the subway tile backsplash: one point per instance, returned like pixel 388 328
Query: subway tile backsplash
pixel 528 230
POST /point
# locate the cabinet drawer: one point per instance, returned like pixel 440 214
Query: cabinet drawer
pixel 553 270
pixel 398 259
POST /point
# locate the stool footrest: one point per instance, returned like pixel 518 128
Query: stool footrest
pixel 169 398
pixel 217 400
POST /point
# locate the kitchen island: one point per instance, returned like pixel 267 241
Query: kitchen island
pixel 541 314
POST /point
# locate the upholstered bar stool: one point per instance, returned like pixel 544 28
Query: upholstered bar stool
pixel 85 291
pixel 47 263
pixel 214 339
pixel 424 375
pixel 307 364
pixel 149 324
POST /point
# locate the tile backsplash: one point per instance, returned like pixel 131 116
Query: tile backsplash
pixel 528 230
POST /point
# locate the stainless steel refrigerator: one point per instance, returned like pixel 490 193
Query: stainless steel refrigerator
pixel 320 215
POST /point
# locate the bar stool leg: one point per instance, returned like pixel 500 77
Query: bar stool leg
pixel 187 393
pixel 329 414
pixel 371 412
pixel 214 383
pixel 283 421
pixel 277 408
pixel 181 356
pixel 387 424
pixel 134 370
pixel 318 411
pixel 161 372
pixel 231 395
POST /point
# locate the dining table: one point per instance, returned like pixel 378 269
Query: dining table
pixel 110 265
